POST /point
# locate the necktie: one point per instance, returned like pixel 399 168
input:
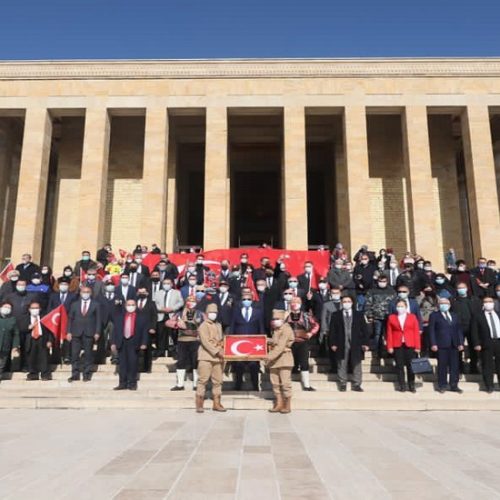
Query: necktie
pixel 141 305
pixel 85 307
pixel 191 291
pixel 63 298
pixel 127 331
pixel 35 332
pixel 108 296
pixel 393 277
pixel 247 314
pixel 448 317
pixel 494 332
pixel 269 283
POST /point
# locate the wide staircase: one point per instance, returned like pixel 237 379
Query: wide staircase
pixel 154 391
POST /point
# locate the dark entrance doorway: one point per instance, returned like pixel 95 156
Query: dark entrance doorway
pixel 256 208
pixel 255 139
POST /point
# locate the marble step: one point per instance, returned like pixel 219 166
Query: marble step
pixel 343 401
pixel 170 377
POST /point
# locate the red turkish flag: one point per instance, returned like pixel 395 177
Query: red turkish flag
pixel 245 346
pixel 5 271
pixel 123 253
pixel 83 275
pixel 57 322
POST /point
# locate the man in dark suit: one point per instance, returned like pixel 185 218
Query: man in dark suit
pixel 125 291
pixel 138 273
pixel 66 298
pixel 486 340
pixel 447 339
pixel 147 308
pixel 84 328
pixel 306 278
pixel 266 302
pixel 39 342
pixel 225 302
pixel 483 279
pixel 349 339
pixel 248 319
pixel 130 335
pixel 27 268
pixel 62 297
pixel 110 303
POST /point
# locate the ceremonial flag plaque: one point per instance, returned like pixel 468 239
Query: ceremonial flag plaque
pixel 245 347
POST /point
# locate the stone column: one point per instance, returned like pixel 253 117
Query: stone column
pixel 295 230
pixel 32 188
pixel 94 180
pixel 421 204
pixel 481 182
pixel 171 229
pixel 358 225
pixel 154 177
pixel 217 182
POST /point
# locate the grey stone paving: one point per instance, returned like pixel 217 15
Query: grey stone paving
pixel 176 454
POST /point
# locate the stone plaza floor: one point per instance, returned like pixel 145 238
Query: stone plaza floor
pixel 177 454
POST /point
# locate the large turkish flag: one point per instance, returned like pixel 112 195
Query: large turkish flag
pixel 243 347
pixel 57 322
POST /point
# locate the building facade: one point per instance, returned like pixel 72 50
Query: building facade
pixel 224 153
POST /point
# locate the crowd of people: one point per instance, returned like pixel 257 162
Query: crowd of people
pixel 119 308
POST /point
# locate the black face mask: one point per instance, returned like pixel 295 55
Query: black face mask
pixel 133 269
pixel 142 295
pixel 224 267
pixel 155 280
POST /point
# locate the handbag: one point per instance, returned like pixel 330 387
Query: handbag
pixel 421 365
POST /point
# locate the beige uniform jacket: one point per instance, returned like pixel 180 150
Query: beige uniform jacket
pixel 210 341
pixel 280 354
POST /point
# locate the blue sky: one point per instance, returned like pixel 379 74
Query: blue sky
pixel 101 29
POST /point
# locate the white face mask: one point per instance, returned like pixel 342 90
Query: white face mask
pixel 261 288
pixel 63 288
pixel 5 311
pixel 335 296
pixel 308 269
pixel 401 310
pixel 277 323
pixel 223 289
pixel 124 282
pixel 212 316
pixel 167 287
pixel 338 266
pixel 110 288
pixel 489 306
pixel 192 283
pixel 35 312
pixel 67 273
pixel 347 306
pixel 131 309
pixel 35 281
pixel 323 286
pixel 85 296
pixel 382 284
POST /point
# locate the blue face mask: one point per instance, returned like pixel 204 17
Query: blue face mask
pixel 292 284
pixel 440 281
pixel 444 307
pixel 246 303
pixel 462 292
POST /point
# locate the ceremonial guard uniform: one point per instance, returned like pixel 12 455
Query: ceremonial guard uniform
pixel 210 360
pixel 304 327
pixel 280 361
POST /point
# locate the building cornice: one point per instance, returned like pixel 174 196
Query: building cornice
pixel 248 68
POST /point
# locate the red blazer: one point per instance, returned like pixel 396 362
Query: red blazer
pixel 394 333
